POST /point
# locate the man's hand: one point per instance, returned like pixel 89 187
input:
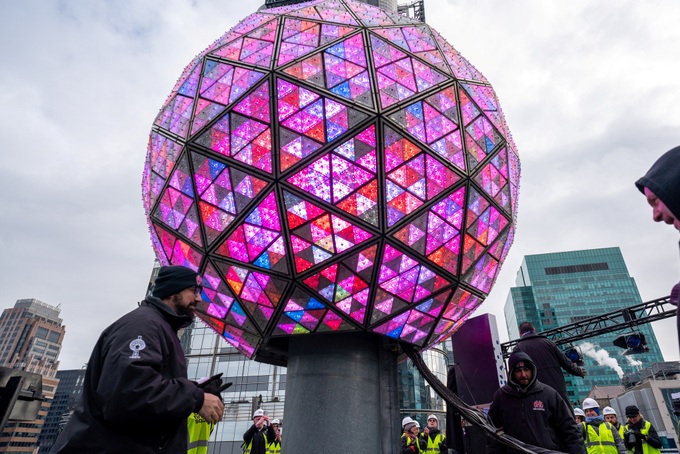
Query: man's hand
pixel 212 408
pixel 426 431
pixel 583 371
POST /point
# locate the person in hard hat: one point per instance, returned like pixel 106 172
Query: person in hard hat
pixel 256 438
pixel 434 439
pixel 549 359
pixel 410 441
pixel 600 436
pixel 639 435
pixel 532 412
pixel 579 416
pixel 612 418
pixel 275 445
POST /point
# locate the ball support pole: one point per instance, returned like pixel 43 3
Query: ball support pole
pixel 341 395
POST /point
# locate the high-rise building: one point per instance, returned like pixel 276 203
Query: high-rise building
pixel 31 334
pixel 560 288
pixel 67 396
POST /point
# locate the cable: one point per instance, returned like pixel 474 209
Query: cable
pixel 471 414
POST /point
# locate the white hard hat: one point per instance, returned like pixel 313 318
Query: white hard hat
pixel 276 421
pixel 433 417
pixel 608 411
pixel 590 403
pixel 417 424
pixel 406 420
pixel 258 412
pixel 579 412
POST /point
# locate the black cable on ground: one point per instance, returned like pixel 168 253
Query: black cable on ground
pixel 471 414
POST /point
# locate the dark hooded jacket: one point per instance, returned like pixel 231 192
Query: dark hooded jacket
pixel 536 415
pixel 549 361
pixel 136 395
pixel 663 179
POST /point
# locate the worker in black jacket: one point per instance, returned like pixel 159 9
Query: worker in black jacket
pixel 639 435
pixel 136 395
pixel 532 412
pixel 258 436
pixel 549 359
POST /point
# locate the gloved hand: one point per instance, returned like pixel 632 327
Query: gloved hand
pixel 214 385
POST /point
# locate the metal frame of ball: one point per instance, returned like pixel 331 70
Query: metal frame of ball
pixel 272 348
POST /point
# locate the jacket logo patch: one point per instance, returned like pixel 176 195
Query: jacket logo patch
pixel 538 405
pixel 136 346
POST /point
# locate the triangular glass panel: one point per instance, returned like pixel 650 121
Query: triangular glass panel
pixel 177 251
pixel 302 314
pixel 259 293
pixel 462 69
pixel 403 276
pixel 223 192
pixel 436 234
pixel 257 240
pixel 321 236
pixel 413 176
pixel 176 115
pixel 347 284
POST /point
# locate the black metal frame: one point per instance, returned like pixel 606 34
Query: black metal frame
pixel 610 322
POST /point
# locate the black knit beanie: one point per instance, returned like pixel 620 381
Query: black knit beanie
pixel 174 279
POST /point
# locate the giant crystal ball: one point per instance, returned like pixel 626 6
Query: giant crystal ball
pixel 332 167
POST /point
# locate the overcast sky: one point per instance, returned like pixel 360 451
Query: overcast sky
pixel 590 91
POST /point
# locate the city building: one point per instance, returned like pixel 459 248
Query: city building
pixel 67 396
pixel 31 334
pixel 561 288
pixel 651 390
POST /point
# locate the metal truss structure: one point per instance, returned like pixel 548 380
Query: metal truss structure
pixel 414 10
pixel 614 321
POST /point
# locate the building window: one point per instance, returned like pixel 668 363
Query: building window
pixel 577 268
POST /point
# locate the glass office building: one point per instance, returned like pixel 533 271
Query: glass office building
pixel 560 288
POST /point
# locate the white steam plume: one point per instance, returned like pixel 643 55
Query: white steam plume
pixel 633 362
pixel 602 357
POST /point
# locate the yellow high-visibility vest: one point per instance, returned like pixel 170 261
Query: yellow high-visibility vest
pixel 602 442
pixel 199 434
pixel 646 449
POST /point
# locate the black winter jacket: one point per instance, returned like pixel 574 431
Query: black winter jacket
pixel 258 438
pixel 652 438
pixel 536 415
pixel 135 400
pixel 549 361
pixel 408 444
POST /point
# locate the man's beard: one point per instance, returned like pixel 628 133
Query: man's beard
pixel 188 311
